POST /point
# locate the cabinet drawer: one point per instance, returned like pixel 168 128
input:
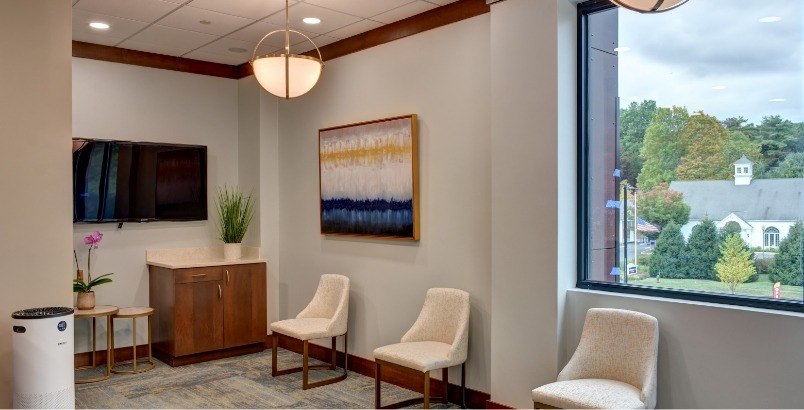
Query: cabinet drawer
pixel 198 275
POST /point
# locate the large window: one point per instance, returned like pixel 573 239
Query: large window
pixel 771 237
pixel 691 151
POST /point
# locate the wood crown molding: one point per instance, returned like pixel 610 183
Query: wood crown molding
pixel 437 17
pixel 152 60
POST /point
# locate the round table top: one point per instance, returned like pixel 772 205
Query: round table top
pixel 135 312
pixel 100 310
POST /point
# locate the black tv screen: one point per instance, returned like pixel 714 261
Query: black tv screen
pixel 120 181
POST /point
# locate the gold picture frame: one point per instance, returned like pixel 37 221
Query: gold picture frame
pixel 369 179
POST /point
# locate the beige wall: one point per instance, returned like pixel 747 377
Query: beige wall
pixel 124 102
pixel 35 227
pixel 533 192
pixel 443 76
pixel 258 164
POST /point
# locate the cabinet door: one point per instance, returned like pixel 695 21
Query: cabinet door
pixel 244 309
pixel 199 317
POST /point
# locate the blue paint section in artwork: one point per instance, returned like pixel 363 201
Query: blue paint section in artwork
pixel 366 205
pixel 367 217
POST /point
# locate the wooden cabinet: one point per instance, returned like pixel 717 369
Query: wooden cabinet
pixel 198 317
pixel 208 312
pixel 244 312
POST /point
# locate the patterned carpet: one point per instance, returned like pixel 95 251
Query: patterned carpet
pixel 238 382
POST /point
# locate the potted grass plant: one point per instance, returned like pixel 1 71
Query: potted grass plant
pixel 86 296
pixel 235 211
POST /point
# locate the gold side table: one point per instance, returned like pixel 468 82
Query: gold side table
pixel 98 311
pixel 134 313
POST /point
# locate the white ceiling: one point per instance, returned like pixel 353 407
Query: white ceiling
pixel 174 27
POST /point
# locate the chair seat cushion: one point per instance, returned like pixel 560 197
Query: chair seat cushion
pixel 589 394
pixel 421 356
pixel 303 329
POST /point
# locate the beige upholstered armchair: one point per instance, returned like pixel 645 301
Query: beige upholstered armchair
pixel 325 317
pixel 438 340
pixel 613 367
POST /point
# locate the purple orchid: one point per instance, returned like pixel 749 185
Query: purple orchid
pixel 93 239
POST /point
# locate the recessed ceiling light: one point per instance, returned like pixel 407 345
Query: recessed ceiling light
pixel 311 20
pixel 719 87
pixel 622 49
pixel 770 19
pixel 99 25
pixel 237 50
pixel 777 100
pixel 205 22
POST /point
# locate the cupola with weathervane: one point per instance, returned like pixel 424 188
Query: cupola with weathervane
pixel 743 171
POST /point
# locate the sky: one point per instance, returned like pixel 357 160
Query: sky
pixel 716 56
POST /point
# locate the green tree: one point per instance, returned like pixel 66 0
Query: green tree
pixel 634 122
pixel 735 265
pixel 704 138
pixel 791 167
pixel 734 124
pixel 731 228
pixel 669 259
pixel 740 144
pixel 661 205
pixel 787 267
pixel 703 248
pixel 778 137
pixel 800 142
pixel 663 147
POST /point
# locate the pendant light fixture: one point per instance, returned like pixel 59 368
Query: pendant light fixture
pixel 284 74
pixel 649 6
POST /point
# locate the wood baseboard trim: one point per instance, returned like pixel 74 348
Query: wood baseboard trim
pixel 120 354
pixel 474 399
pixel 490 404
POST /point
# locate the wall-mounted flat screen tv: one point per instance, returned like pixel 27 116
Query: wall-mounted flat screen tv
pixel 121 181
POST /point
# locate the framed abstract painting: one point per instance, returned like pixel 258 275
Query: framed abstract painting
pixel 369 179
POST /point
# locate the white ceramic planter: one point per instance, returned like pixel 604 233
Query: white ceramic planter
pixel 232 251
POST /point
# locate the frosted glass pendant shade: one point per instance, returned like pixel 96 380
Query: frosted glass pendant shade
pixel 649 6
pixel 302 74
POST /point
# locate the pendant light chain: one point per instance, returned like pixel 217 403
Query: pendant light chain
pixel 287 49
pixel 287 27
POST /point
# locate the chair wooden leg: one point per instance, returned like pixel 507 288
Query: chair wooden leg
pixel 445 380
pixel 426 390
pixel 305 365
pixel 463 385
pixel 274 343
pixel 377 386
pixel 334 354
pixel 346 352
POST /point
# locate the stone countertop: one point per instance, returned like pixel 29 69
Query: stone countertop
pixel 182 258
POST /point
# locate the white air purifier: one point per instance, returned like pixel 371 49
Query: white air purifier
pixel 42 345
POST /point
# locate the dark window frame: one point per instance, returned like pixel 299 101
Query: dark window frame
pixel 585 9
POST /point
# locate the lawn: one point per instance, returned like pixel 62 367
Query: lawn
pixel 762 287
